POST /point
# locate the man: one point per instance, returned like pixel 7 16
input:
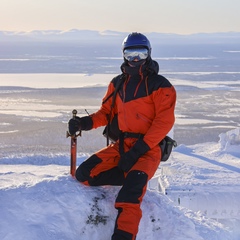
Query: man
pixel 144 104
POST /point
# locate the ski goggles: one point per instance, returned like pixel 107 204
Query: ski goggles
pixel 131 54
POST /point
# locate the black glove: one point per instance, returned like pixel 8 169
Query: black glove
pixel 77 124
pixel 128 159
pixel 74 125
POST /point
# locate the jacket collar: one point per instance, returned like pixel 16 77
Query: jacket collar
pixel 149 67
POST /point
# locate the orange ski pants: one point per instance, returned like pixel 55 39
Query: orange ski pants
pixel 102 169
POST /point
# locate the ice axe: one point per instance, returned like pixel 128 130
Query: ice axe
pixel 73 148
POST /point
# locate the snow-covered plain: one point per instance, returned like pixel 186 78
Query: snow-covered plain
pixel 195 195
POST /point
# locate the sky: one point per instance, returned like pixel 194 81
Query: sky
pixel 166 16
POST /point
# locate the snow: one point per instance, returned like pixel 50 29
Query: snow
pixel 194 195
pixel 39 200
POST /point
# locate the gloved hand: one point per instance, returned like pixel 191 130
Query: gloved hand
pixel 74 125
pixel 128 159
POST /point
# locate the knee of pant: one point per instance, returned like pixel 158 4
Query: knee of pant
pixel 133 187
pixel 80 174
pixel 83 171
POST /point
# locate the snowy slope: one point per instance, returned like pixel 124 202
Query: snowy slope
pixel 54 206
pixel 39 200
pixel 194 182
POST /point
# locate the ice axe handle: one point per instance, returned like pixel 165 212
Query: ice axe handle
pixel 73 151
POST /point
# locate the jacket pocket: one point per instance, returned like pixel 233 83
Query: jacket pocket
pixel 144 118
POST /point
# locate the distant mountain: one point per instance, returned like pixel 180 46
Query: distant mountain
pixel 89 35
pixel 58 35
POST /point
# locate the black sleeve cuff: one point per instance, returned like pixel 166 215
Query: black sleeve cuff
pixel 140 147
pixel 86 123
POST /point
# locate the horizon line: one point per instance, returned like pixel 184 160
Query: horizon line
pixel 113 31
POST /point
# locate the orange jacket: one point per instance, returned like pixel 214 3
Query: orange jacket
pixel 145 103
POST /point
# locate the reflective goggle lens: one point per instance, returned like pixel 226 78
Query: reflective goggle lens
pixel 131 54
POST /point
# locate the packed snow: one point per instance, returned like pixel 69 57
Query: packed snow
pixel 195 195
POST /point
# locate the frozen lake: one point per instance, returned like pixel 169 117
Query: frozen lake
pixel 37 107
pixel 41 82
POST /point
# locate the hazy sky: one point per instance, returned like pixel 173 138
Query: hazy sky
pixel 167 16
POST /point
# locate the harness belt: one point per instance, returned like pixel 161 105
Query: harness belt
pixel 127 135
pixel 132 135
